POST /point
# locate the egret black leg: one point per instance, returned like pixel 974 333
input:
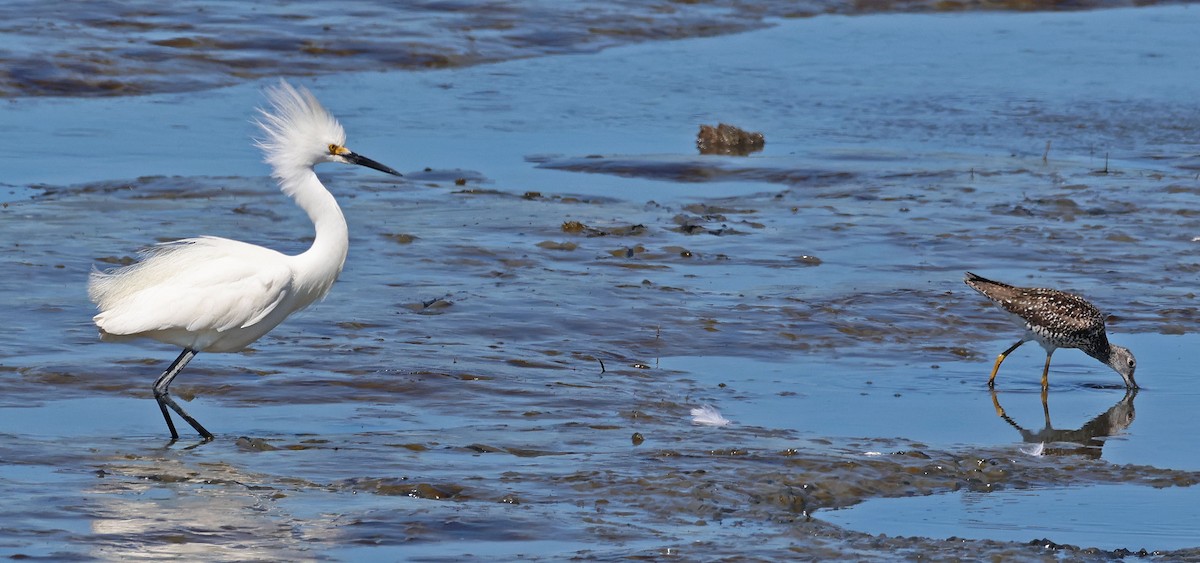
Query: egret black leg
pixel 162 394
pixel 166 416
pixel 1000 360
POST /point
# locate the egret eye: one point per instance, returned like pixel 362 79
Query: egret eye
pixel 333 149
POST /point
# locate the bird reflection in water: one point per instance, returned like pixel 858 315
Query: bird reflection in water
pixel 1088 440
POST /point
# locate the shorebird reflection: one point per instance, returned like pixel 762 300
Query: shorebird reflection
pixel 1089 439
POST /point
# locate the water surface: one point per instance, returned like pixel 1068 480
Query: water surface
pixel 473 384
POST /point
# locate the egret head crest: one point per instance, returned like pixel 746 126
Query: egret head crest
pixel 297 131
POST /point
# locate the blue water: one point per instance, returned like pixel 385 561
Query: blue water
pixel 1096 516
pixel 374 427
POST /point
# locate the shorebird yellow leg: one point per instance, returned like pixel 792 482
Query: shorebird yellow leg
pixel 1046 375
pixel 1045 409
pixel 1000 359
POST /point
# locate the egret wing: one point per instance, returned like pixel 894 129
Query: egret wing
pixel 209 285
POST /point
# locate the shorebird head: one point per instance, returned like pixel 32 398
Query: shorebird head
pixel 1121 360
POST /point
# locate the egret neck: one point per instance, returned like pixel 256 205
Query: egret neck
pixel 318 267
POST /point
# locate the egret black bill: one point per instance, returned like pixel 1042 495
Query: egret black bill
pixel 354 158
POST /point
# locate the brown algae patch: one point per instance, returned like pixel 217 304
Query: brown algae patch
pixel 728 140
pixel 578 228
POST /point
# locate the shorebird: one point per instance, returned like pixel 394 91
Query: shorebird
pixel 213 294
pixel 1055 319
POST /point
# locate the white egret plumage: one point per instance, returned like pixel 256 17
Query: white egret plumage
pixel 211 294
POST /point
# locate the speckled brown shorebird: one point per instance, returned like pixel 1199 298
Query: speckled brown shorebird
pixel 1055 319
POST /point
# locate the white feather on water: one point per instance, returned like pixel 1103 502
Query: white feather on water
pixel 1035 450
pixel 708 415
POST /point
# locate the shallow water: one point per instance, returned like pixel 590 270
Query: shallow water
pixel 1094 516
pixel 139 47
pixel 473 384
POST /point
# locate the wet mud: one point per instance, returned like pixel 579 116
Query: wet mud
pixel 508 364
pixel 550 334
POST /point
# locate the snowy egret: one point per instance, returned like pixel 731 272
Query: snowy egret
pixel 211 294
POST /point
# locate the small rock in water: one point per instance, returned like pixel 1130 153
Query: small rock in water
pixel 729 140
pixel 254 444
